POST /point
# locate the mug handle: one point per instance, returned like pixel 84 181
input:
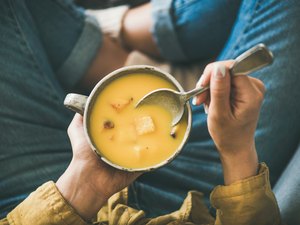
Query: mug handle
pixel 76 102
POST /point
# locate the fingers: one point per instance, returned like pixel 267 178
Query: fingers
pixel 75 130
pixel 258 84
pixel 205 80
pixel 75 125
pixel 250 89
pixel 206 104
pixel 220 89
pixel 243 87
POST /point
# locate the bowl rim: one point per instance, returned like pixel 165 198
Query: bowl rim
pixel 125 71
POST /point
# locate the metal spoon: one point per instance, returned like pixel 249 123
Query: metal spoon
pixel 253 59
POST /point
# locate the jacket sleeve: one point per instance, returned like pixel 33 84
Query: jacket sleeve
pixel 4 222
pixel 43 206
pixel 247 202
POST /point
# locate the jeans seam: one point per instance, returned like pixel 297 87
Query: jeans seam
pixel 241 38
pixel 247 27
pixel 25 45
pixel 184 5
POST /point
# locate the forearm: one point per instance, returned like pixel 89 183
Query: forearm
pixel 240 165
pixel 80 195
pixel 136 34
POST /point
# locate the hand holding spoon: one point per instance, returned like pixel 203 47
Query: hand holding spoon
pixel 253 59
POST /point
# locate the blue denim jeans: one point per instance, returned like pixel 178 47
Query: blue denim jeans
pixel 47 45
pixel 42 44
pixel 194 30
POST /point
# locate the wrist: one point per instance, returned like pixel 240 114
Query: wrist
pixel 239 165
pixel 75 187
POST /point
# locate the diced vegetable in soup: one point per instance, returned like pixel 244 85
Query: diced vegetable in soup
pixel 144 125
pixel 130 137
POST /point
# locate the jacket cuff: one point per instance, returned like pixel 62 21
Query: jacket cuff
pixel 249 199
pixel 242 187
pixel 45 206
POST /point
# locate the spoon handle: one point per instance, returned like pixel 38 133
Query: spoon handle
pixel 251 60
pixel 187 95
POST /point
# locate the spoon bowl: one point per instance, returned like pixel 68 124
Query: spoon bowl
pixel 252 60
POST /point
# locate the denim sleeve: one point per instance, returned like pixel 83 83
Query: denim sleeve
pixel 163 31
pixel 70 38
pixel 192 30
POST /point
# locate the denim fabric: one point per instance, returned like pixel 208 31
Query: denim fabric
pixel 192 30
pixel 164 32
pixel 59 24
pixel 287 191
pixel 33 121
pixel 273 22
pixel 34 145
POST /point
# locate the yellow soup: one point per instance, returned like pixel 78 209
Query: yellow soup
pixel 129 137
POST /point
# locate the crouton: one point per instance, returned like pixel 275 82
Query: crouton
pixel 144 125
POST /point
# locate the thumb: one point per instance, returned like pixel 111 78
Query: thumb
pixel 75 130
pixel 220 89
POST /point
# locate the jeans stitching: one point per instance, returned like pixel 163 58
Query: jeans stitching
pixel 24 44
pixel 247 27
pixel 183 5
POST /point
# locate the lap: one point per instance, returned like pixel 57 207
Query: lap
pixel 198 167
pixel 70 38
pixel 34 142
pixel 187 31
pixel 59 24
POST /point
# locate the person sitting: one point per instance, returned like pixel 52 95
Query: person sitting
pixel 233 105
pixel 49 48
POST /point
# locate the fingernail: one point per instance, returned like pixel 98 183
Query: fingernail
pixel 194 101
pixel 205 108
pixel 219 71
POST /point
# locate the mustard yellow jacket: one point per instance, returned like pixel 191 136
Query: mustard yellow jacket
pixel 247 202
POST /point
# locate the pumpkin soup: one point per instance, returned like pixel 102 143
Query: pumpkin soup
pixel 129 137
